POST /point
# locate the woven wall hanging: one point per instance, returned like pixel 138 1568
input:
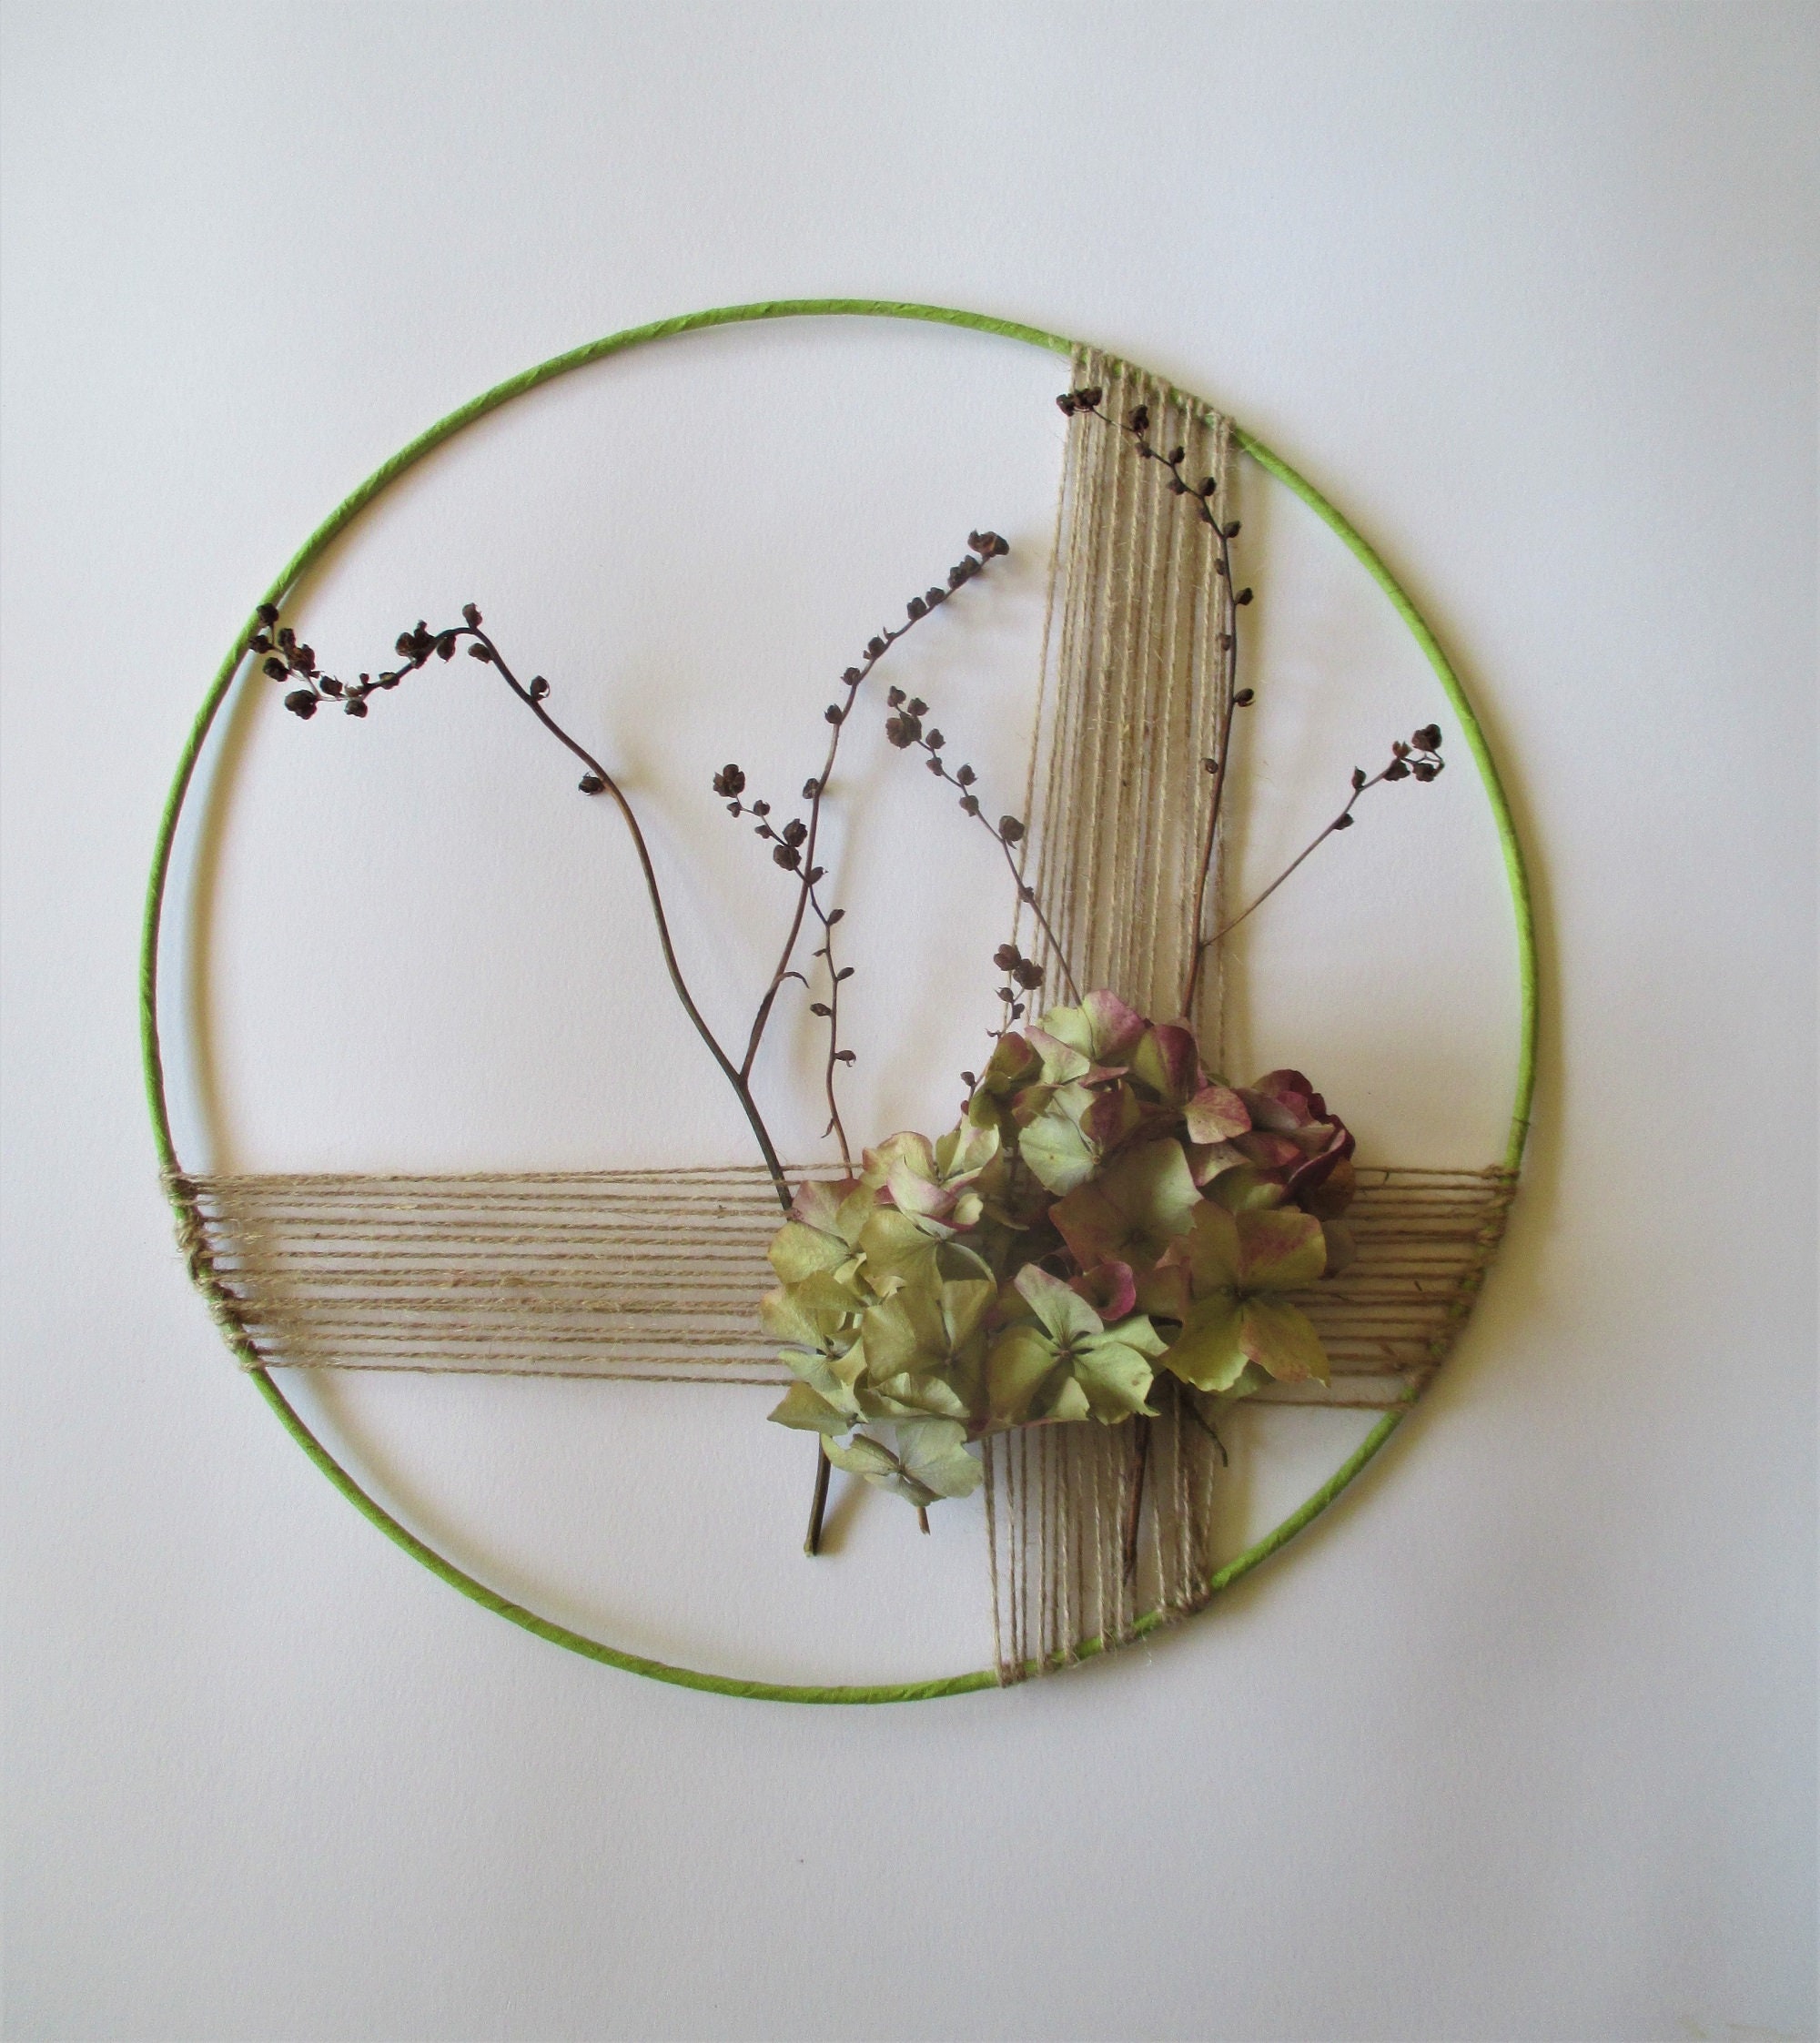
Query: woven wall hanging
pixel 1042 1310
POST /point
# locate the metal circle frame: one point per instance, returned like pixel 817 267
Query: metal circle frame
pixel 238 658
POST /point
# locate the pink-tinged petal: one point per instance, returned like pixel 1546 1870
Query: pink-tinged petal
pixel 1167 1060
pixel 1117 1028
pixel 1280 1339
pixel 1062 1064
pixel 817 1203
pixel 1269 1151
pixel 1216 1114
pixel 1330 1198
pixel 1164 1291
pixel 911 1192
pixel 1093 1226
pixel 1110 1289
pixel 1268 1112
pixel 1207 1160
pixel 877 1163
pixel 1132 1210
pixel 1279 1251
pixel 1292 1090
pixel 1307 1181
pixel 1115 1116
pixel 1014 1062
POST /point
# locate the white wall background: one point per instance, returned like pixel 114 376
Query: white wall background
pixel 1520 1742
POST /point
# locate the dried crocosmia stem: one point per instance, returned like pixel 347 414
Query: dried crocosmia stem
pixel 1418 760
pixel 904 730
pixel 986 547
pixel 285 660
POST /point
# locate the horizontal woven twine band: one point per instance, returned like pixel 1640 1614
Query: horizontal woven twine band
pixel 656 1275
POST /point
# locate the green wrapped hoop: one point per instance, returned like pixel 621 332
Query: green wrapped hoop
pixel 311 550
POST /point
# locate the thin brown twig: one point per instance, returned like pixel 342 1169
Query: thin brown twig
pixel 931 743
pixel 417 648
pixel 1400 768
pixel 837 715
pixel 831 1009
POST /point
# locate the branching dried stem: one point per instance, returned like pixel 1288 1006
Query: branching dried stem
pixel 985 547
pixel 906 730
pixel 285 659
pixel 1418 760
pixel 794 844
pixel 830 1009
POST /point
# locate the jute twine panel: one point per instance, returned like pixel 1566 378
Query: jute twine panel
pixel 1087 1527
pixel 654 1276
